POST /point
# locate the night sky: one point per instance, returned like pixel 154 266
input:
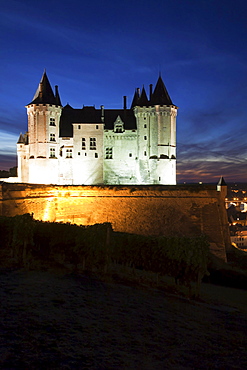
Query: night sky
pixel 98 51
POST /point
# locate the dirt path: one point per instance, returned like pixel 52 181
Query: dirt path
pixel 52 321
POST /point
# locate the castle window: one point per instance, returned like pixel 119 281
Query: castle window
pixel 52 122
pixel 145 126
pixel 130 154
pixel 92 143
pixel 52 153
pixel 52 137
pixel 145 153
pixel 68 153
pixel 96 155
pixel 79 153
pixel 118 129
pixel 83 143
pixel 118 125
pixel 79 127
pixel 145 137
pixel 108 153
pixel 97 126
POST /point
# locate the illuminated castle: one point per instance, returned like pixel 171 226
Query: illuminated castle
pixel 91 146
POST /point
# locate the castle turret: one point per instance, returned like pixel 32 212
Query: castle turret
pixel 156 125
pixel 44 113
pixel 22 158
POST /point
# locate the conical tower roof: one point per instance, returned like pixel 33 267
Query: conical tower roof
pixel 57 97
pixel 160 95
pixel 143 100
pixel 135 100
pixel 21 139
pixel 222 181
pixel 44 93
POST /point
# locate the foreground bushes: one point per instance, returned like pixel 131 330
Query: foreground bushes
pixel 97 247
pixel 183 258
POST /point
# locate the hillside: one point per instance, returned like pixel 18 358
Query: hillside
pixel 54 320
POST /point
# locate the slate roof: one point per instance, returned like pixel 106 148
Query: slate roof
pixel 143 100
pixel 44 93
pixel 160 96
pixel 21 139
pixel 92 115
pixel 222 181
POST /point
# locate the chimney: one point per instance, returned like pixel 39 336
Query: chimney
pixel 102 113
pixel 125 102
pixel 138 92
pixel 150 91
pixel 56 91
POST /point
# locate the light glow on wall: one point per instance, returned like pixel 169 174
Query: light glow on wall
pixel 48 210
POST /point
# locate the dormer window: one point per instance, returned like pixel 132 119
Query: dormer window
pixel 118 125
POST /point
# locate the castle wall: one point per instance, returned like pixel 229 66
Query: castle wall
pixel 147 210
pixel 120 157
pixel 88 158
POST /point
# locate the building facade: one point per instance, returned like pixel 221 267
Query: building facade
pixel 240 239
pixel 89 146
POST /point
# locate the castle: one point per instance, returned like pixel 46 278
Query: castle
pixel 89 146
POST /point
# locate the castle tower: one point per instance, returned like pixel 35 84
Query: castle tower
pixel 44 113
pixel 156 139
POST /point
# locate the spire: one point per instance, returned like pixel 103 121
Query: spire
pixel 160 95
pixel 135 99
pixel 140 99
pixel 57 97
pixel 44 93
pixel 222 185
pixel 222 181
pixel 143 100
pixel 21 139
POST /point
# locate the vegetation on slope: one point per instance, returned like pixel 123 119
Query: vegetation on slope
pixel 33 244
pixel 29 243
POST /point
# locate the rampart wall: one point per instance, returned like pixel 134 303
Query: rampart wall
pixel 177 210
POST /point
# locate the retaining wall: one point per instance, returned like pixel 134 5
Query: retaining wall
pixel 188 210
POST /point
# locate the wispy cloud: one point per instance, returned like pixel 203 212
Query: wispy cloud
pixel 7 143
pixel 210 171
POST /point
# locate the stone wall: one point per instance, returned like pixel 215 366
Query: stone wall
pixel 177 210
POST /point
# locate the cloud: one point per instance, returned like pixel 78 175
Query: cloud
pixel 210 171
pixel 8 144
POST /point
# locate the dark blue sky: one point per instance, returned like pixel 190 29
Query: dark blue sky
pixel 98 51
